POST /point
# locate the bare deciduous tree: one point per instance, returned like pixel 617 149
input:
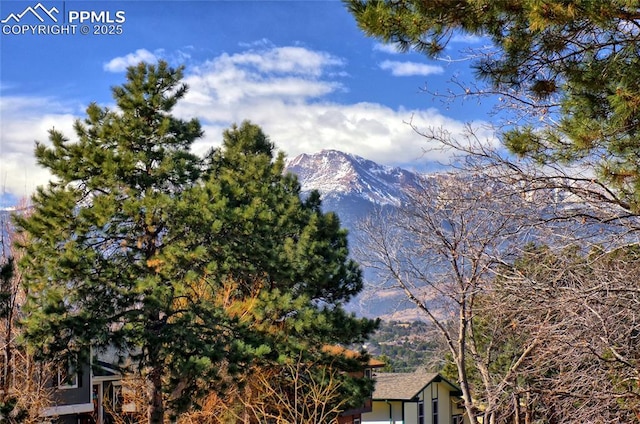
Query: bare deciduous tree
pixel 566 193
pixel 587 368
pixel 535 333
pixel 442 249
pixel 24 383
pixel 296 392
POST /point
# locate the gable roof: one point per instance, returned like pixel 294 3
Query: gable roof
pixel 405 386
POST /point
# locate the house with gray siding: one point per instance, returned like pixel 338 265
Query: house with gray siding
pixel 79 393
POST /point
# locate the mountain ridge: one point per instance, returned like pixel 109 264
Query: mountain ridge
pixel 353 187
pixel 334 174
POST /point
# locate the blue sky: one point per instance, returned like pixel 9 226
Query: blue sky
pixel 300 69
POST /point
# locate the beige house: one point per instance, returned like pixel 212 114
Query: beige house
pixel 415 398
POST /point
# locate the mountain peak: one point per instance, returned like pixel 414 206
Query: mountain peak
pixel 336 174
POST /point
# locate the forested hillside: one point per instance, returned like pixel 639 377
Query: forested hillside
pixel 405 346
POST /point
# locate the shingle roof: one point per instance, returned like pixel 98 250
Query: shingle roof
pixel 401 386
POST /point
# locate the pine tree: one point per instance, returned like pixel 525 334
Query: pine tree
pixel 570 67
pixel 97 229
pixel 140 245
pixel 281 262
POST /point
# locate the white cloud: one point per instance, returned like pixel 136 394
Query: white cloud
pixel 390 48
pixel 294 60
pixel 120 64
pixel 408 69
pixel 284 90
pixel 26 120
pixel 289 103
pixel 262 43
pixel 370 130
pixel 291 73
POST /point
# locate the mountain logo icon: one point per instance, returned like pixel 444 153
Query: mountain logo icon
pixel 39 11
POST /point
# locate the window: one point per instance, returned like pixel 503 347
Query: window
pixel 457 419
pixel 356 421
pixel 367 373
pixel 434 410
pixel 421 412
pixel 68 375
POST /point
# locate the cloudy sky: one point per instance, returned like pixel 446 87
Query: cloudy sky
pixel 300 69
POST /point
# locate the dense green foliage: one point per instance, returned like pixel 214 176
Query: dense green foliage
pixel 194 267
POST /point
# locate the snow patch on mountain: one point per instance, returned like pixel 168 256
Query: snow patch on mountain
pixel 335 174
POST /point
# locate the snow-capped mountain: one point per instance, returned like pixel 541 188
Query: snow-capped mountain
pixel 353 187
pixel 350 185
pixel 336 174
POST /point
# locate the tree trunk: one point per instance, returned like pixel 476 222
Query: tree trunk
pixel 527 410
pixel 489 417
pixel 516 409
pixel 464 386
pixel 7 369
pixel 460 355
pixel 155 411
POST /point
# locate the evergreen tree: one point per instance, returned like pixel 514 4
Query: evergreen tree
pixel 572 66
pixel 140 245
pixel 282 263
